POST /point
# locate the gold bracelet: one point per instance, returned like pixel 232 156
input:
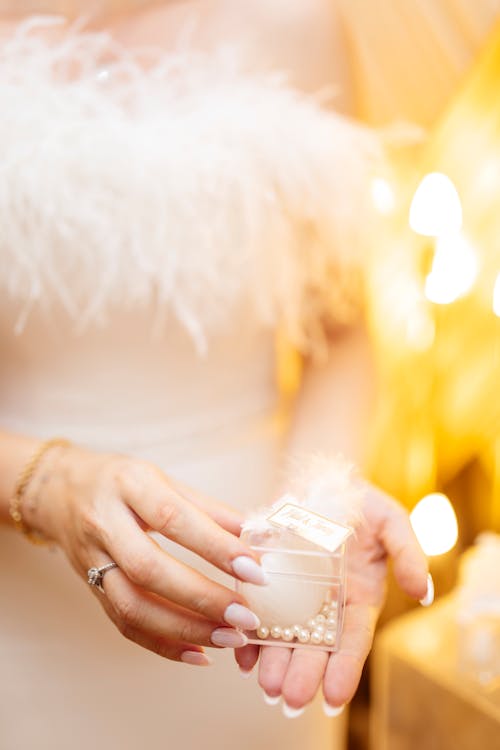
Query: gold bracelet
pixel 25 477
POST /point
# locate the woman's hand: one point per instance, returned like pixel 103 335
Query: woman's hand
pixel 98 508
pixel 297 675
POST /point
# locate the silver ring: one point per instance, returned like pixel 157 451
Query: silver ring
pixel 95 575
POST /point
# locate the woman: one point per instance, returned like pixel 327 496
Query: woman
pixel 163 213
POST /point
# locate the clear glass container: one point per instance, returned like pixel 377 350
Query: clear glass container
pixel 303 604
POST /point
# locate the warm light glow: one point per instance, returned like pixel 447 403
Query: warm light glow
pixel 436 209
pixel 454 270
pixel 383 196
pixel 420 331
pixel 496 296
pixel 435 524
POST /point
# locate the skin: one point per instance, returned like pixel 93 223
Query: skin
pixel 297 675
pixel 98 507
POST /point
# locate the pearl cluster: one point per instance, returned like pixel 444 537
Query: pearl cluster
pixel 319 629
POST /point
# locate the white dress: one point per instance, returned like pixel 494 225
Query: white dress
pixel 155 229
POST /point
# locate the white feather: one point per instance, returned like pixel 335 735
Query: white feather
pixel 190 183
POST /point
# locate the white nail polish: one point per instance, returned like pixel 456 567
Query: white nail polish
pixel 228 638
pixel 332 710
pixel 196 658
pixel 271 700
pixel 241 617
pixel 245 673
pixel 248 570
pixel 429 597
pixel 290 712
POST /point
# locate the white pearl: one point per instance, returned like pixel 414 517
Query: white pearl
pixel 325 609
pixel 276 631
pixel 311 623
pixel 320 618
pixel 263 632
pixel 103 75
pixel 304 635
pixel 320 627
pixel 287 634
pixel 329 638
pixel 316 637
pixel 296 630
pixel 331 621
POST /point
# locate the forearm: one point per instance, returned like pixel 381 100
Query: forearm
pixel 15 452
pixel 334 407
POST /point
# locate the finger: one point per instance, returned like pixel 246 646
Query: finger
pixel 274 661
pixel 222 514
pixel 149 494
pixel 188 653
pixel 247 657
pixel 344 668
pixel 168 648
pixel 303 676
pixel 133 609
pixel 153 569
pixel 398 538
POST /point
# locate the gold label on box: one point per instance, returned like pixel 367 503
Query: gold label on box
pixel 310 526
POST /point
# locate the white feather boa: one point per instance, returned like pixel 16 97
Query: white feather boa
pixel 190 183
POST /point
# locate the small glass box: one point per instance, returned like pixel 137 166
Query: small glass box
pixel 303 604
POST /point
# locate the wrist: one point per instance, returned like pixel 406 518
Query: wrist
pixel 43 494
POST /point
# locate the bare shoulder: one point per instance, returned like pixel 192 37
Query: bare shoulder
pixel 303 38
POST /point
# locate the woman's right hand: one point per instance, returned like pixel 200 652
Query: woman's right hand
pixel 99 508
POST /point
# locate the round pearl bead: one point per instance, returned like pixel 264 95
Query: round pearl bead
pixel 329 637
pixel 311 623
pixel 304 635
pixel 296 630
pixel 320 627
pixel 320 618
pixel 325 609
pixel 316 637
pixel 276 631
pixel 287 634
pixel 262 632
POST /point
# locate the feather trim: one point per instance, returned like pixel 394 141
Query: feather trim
pixel 191 183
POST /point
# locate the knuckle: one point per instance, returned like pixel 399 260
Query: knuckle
pixel 139 568
pixel 164 518
pixel 189 633
pixel 91 524
pixel 204 603
pixel 129 613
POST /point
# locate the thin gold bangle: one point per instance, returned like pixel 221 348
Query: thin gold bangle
pixel 25 477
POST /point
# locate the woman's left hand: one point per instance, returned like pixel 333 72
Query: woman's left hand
pixel 297 674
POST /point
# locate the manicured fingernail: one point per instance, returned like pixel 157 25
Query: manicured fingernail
pixel 241 617
pixel 292 713
pixel 245 673
pixel 429 597
pixel 197 658
pixel 271 700
pixel 248 570
pixel 228 638
pixel 332 710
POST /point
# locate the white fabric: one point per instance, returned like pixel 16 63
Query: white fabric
pixel 191 182
pixel 132 380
